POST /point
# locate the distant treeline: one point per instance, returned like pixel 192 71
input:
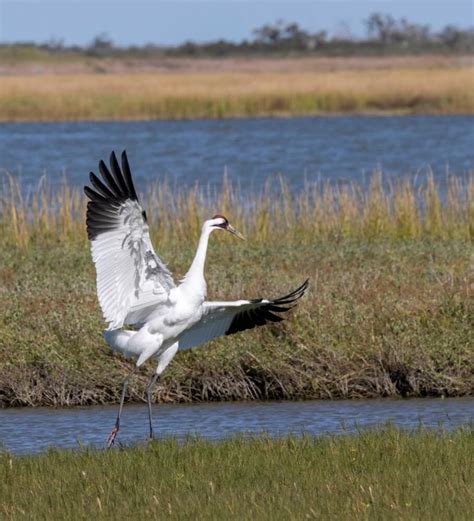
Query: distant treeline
pixel 384 35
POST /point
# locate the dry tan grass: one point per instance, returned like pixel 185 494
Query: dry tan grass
pixel 319 211
pixel 224 94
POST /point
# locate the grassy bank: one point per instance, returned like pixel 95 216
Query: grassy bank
pixel 389 312
pixel 178 95
pixel 376 475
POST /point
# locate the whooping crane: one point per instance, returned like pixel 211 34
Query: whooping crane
pixel 135 287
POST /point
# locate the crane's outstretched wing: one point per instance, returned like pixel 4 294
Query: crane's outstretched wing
pixel 131 278
pixel 227 318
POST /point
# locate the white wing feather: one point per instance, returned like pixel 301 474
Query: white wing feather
pixel 216 320
pixel 227 318
pixel 131 278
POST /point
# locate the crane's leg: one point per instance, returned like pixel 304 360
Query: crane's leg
pixel 164 359
pixel 113 433
pixel 149 392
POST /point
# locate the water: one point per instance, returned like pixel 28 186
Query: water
pixel 31 430
pixel 335 148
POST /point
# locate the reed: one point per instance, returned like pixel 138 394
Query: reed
pixel 185 95
pixel 387 210
pixel 380 474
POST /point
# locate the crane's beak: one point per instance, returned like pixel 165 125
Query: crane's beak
pixel 233 231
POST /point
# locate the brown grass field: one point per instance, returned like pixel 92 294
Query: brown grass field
pixel 183 89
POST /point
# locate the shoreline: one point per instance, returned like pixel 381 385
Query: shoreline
pixel 381 113
pixel 142 402
pixel 270 115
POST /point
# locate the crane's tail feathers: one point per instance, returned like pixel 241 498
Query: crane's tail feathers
pixel 118 340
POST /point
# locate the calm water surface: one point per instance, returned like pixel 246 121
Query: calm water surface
pixel 32 430
pixel 335 148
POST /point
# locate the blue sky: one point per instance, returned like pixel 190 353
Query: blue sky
pixel 171 22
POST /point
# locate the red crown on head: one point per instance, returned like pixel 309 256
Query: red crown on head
pixel 219 216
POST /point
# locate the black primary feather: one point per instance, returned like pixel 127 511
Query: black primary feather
pixel 128 176
pixel 107 195
pixel 260 315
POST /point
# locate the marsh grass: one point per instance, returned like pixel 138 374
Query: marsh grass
pixel 389 311
pixel 188 95
pixel 388 209
pixel 384 474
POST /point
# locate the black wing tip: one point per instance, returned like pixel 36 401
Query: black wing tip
pixel 112 157
pixel 294 295
pixel 119 184
pixel 128 175
pixel 107 194
pixel 93 195
pixel 267 312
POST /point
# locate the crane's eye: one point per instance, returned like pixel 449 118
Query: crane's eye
pixel 221 225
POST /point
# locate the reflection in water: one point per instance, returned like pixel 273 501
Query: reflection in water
pixel 31 430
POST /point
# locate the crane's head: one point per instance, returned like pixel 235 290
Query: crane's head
pixel 220 222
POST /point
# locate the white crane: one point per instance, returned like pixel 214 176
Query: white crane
pixel 135 287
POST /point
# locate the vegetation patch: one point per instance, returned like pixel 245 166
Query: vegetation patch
pixel 184 95
pixel 385 474
pixel 385 35
pixel 389 311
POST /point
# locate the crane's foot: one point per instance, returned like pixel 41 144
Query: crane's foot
pixel 112 436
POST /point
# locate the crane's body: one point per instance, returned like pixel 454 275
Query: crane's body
pixel 135 287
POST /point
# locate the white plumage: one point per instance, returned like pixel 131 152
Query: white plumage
pixel 135 287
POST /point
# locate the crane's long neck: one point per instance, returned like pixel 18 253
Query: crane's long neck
pixel 195 274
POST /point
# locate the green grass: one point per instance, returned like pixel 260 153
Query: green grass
pixel 385 474
pixel 389 311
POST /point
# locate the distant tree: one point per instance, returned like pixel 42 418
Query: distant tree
pixel 269 33
pixel 190 48
pixel 455 38
pixel 296 38
pixel 55 45
pixel 101 45
pixel 287 36
pixel 451 36
pixel 413 33
pixel 385 34
pixel 387 30
pixel 380 27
